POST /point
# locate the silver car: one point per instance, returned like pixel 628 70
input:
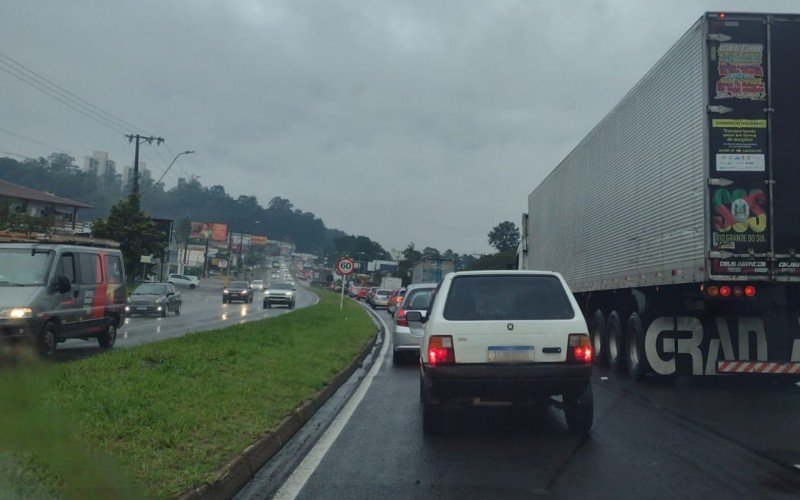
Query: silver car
pixel 417 298
pixel 380 298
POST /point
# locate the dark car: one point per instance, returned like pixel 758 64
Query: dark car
pixel 154 298
pixel 237 290
pixel 279 293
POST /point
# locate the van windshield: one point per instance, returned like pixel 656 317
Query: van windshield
pixel 24 266
pixel 487 298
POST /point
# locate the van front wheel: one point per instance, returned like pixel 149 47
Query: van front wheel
pixel 47 341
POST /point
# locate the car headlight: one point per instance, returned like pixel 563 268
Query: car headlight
pixel 16 312
pixel 225 291
pixel 288 294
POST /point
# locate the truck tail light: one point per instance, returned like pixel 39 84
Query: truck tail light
pixel 580 348
pixel 724 291
pixel 440 350
pixel 749 291
pixel 400 318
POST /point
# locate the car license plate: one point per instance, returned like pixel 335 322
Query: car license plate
pixel 510 353
pixel 141 308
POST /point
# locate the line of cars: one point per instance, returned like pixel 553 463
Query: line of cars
pixel 496 337
pixel 275 293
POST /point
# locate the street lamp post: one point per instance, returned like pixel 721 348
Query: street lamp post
pixel 165 172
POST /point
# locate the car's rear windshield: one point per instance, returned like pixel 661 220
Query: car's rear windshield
pixel 383 293
pixel 418 299
pixel 493 298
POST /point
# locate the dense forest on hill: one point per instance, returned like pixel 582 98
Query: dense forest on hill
pixel 279 220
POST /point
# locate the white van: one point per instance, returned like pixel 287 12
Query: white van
pixel 51 291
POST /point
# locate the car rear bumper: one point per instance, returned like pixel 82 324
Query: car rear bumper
pixel 403 340
pixel 513 382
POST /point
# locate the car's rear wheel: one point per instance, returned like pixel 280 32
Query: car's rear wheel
pixel 637 359
pixel 599 341
pixel 616 345
pixel 579 412
pixel 108 337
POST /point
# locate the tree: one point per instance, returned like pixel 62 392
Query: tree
pixel 505 237
pixel 133 229
pixel 431 253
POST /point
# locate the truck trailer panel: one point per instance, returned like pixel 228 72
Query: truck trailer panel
pixel 626 206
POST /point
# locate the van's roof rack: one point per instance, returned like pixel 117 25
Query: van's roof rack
pixel 59 239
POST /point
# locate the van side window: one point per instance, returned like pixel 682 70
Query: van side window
pixel 66 266
pixel 91 272
pixel 114 269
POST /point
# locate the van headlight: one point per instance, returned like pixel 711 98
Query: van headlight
pixel 16 312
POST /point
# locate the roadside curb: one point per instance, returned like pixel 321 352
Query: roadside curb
pixel 231 477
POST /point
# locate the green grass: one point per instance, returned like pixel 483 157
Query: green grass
pixel 171 413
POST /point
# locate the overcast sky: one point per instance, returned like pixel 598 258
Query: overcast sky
pixel 425 121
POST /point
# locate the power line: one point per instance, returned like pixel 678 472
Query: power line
pixel 54 87
pixel 7 152
pixel 29 139
pixel 40 87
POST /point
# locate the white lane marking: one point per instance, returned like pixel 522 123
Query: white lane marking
pixel 295 483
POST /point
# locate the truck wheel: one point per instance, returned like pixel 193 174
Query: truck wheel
pixel 108 337
pixel 579 412
pixel 616 349
pixel 599 340
pixel 634 337
pixel 47 341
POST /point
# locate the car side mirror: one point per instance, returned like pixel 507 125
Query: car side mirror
pixel 63 284
pixel 415 317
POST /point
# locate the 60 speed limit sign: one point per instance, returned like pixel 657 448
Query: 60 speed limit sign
pixel 346 266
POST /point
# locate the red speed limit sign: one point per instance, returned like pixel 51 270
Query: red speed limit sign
pixel 346 266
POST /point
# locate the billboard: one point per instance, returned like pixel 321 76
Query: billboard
pixel 209 231
pixel 258 240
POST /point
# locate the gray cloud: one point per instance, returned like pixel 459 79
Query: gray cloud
pixel 405 121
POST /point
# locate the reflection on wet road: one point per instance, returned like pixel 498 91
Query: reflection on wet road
pixel 202 309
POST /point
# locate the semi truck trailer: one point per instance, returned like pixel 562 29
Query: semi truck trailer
pixel 676 220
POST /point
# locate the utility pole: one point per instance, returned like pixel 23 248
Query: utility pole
pixel 139 140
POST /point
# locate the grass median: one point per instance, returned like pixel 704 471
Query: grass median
pixel 171 413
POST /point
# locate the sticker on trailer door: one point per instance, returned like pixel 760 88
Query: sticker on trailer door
pixel 740 70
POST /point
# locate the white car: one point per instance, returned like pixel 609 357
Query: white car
pixel 504 336
pixel 186 280
pixel 257 284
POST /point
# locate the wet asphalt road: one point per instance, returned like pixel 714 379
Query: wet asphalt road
pixel 684 438
pixel 202 309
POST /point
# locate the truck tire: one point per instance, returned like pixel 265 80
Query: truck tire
pixel 599 338
pixel 47 340
pixel 616 344
pixel 108 337
pixel 634 343
pixel 579 412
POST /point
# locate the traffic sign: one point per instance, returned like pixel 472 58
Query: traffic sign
pixel 345 266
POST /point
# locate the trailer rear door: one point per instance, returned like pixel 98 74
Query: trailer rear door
pixel 738 147
pixel 784 87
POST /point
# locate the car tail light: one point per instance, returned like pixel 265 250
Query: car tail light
pixel 724 291
pixel 580 348
pixel 750 291
pixel 400 318
pixel 440 350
